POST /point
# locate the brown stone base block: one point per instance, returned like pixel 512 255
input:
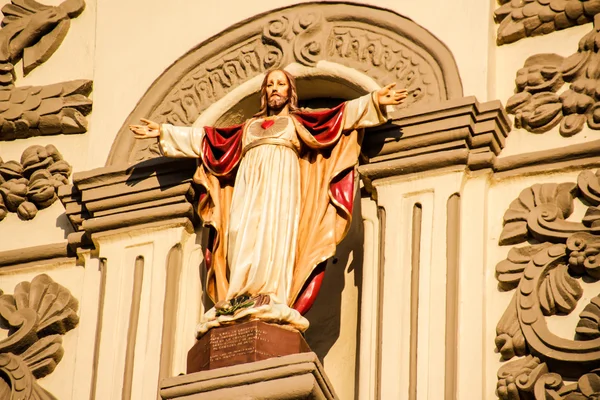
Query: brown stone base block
pixel 243 343
pixel 295 377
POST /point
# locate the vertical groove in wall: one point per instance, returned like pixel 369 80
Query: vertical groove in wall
pixel 102 266
pixel 134 316
pixel 415 258
pixel 174 265
pixel 381 266
pixel 452 257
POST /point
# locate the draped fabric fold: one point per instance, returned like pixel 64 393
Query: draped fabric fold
pixel 222 148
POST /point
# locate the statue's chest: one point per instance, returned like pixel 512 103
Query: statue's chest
pixel 270 128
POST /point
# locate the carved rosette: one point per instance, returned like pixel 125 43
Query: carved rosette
pixel 524 18
pixel 32 184
pixel 546 277
pixel 37 315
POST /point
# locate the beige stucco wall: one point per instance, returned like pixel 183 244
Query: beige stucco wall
pixel 123 46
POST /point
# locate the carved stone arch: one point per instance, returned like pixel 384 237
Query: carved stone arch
pixel 379 43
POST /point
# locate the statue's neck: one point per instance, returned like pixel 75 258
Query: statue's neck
pixel 279 113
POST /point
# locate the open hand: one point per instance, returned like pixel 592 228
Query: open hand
pixel 150 129
pixel 389 97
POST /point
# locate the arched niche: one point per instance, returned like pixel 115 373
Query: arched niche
pixel 380 44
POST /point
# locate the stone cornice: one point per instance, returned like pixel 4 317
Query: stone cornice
pixel 299 376
pixel 110 198
pixel 455 132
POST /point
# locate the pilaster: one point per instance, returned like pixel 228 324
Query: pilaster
pixel 428 171
pixel 138 224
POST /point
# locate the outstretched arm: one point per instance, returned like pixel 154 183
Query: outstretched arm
pixel 370 110
pixel 174 141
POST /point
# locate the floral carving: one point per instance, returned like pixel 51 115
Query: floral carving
pixel 284 39
pixel 546 277
pixel 32 32
pixel 383 59
pixel 32 184
pixel 589 320
pixel 304 37
pixel 524 18
pixel 553 202
pixel 538 106
pixel 38 314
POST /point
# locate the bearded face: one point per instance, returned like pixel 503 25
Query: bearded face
pixel 277 101
pixel 277 90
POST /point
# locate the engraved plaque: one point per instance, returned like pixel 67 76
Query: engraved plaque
pixel 243 343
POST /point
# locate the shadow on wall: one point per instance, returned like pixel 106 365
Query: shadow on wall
pixel 326 314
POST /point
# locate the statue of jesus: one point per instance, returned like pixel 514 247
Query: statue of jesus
pixel 278 197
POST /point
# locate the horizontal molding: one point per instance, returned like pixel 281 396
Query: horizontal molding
pixel 111 198
pixel 35 254
pixel 576 155
pixel 454 132
pixel 460 132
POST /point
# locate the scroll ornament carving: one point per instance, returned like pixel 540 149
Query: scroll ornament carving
pixel 519 19
pixel 36 316
pixel 305 38
pixel 32 184
pixel 554 254
pixel 32 32
pixel 539 105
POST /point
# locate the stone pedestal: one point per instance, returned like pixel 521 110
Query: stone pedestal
pixel 243 343
pixel 298 377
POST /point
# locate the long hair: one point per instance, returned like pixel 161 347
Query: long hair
pixel 292 94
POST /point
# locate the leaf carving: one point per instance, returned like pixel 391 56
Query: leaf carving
pixel 515 228
pixel 559 292
pixel 510 271
pixel 589 320
pixel 40 312
pixel 509 336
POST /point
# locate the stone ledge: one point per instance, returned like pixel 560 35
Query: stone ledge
pixel 298 376
pixel 110 198
pixel 36 254
pixel 454 132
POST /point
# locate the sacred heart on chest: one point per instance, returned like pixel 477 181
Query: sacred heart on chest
pixel 267 123
pixel 272 127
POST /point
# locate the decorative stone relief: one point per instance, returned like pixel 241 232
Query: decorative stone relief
pixel 45 110
pixel 524 18
pixel 304 38
pixel 383 45
pixel 32 32
pixel 546 274
pixel 36 316
pixel 540 103
pixel 32 184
